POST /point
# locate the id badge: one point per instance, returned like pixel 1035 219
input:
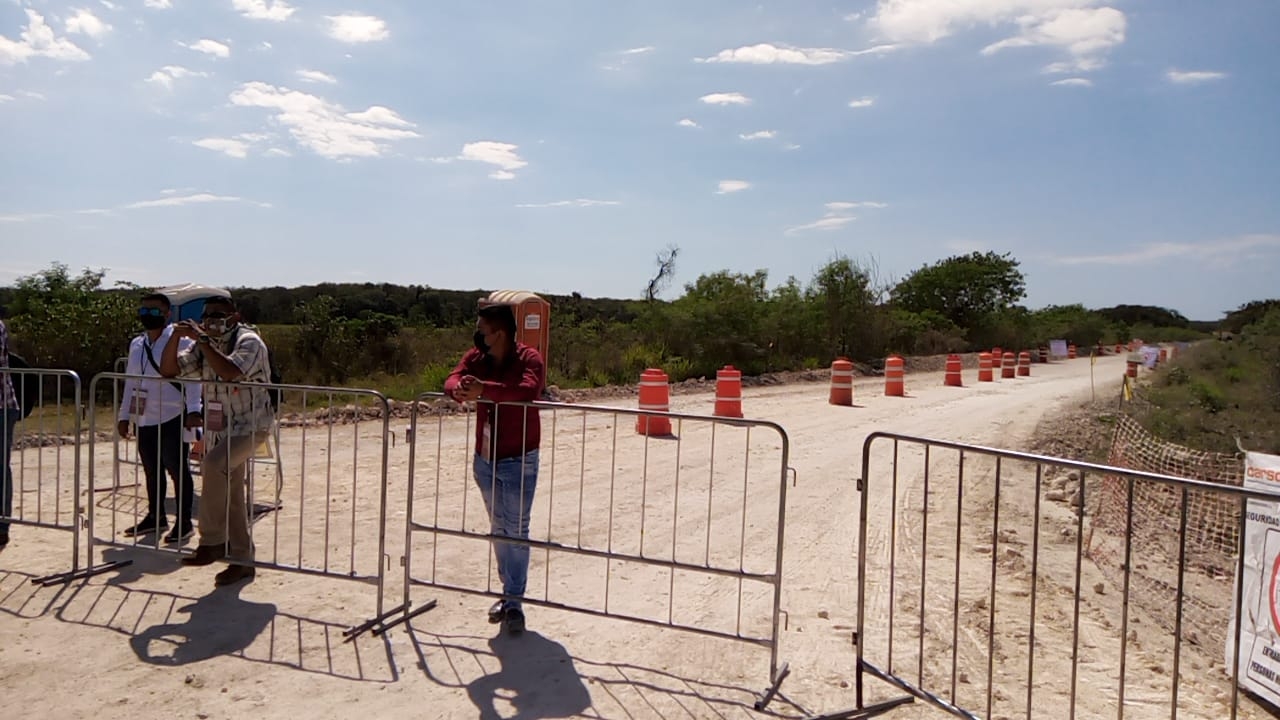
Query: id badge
pixel 214 419
pixel 486 443
pixel 138 403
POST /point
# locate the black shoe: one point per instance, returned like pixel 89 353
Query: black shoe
pixel 179 533
pixel 148 525
pixel 497 612
pixel 234 574
pixel 205 555
pixel 4 538
pixel 515 621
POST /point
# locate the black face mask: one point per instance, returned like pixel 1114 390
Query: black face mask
pixel 153 322
pixel 478 339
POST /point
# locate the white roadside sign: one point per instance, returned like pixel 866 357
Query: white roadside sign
pixel 1260 606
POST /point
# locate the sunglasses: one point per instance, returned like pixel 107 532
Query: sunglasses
pixel 151 312
pixel 214 316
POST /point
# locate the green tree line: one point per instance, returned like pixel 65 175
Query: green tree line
pixel 405 338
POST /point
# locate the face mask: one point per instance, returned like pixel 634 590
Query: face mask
pixel 217 328
pixel 478 339
pixel 153 322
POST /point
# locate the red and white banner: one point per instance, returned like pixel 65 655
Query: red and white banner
pixel 1260 605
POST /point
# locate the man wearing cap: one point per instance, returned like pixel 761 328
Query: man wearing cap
pixel 237 419
pixel 501 370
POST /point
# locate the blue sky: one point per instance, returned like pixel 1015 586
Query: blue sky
pixel 1125 152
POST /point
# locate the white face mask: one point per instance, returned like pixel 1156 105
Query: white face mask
pixel 216 327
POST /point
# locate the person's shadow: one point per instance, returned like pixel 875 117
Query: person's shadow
pixel 220 623
pixel 536 678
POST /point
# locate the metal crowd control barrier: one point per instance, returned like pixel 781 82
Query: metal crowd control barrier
pixel 976 607
pixel 127 450
pixel 40 444
pixel 669 511
pixel 326 506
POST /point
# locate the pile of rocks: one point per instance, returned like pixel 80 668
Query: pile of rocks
pixel 43 440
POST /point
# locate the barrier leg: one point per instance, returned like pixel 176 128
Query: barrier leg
pixel 869 711
pixel 66 577
pixel 379 624
pixel 773 688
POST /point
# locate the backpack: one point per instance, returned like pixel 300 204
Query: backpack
pixel 25 385
pixel 273 372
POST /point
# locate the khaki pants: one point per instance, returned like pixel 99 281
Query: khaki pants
pixel 224 516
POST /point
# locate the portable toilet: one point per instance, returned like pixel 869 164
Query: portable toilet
pixel 533 316
pixel 188 299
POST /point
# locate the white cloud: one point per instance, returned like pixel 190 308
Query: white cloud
pixel 1079 27
pixel 1085 33
pixel 731 186
pixel 324 127
pixel 196 199
pixel 277 152
pixel 352 28
pixel 170 198
pixel 621 58
pixel 108 4
pixel 732 98
pixel 686 122
pixel 24 217
pixel 1073 82
pixel 853 17
pixel 862 102
pixel 210 47
pixel 768 54
pixel 38 40
pixel 274 10
pixel 316 76
pixel 31 94
pixel 5 98
pixel 759 135
pixel 1222 251
pixel 378 115
pixel 501 154
pixel 158 4
pixel 836 217
pixel 227 146
pixel 165 76
pixel 1192 77
pixel 84 22
pixel 580 202
pixel 836 207
pixel 830 222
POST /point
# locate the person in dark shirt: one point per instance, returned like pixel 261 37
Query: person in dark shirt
pixel 500 370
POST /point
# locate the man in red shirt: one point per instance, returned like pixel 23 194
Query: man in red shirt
pixel 500 370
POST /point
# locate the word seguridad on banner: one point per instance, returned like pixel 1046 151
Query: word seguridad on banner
pixel 1259 606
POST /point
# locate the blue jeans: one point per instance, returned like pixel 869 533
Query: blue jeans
pixel 8 419
pixel 507 488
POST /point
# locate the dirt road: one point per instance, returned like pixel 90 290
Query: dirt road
pixel 154 639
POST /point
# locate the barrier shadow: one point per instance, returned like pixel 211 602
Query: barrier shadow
pixel 174 630
pixel 21 598
pixel 532 677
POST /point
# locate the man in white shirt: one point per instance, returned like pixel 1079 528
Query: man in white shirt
pixel 163 411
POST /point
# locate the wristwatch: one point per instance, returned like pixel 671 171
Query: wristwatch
pixel 203 339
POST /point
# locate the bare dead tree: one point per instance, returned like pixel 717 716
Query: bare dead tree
pixel 666 262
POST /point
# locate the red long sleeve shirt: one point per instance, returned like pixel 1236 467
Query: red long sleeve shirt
pixel 520 378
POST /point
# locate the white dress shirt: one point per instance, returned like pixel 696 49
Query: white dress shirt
pixel 160 400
